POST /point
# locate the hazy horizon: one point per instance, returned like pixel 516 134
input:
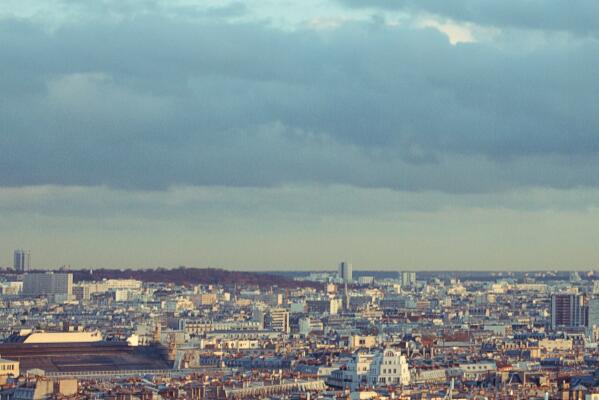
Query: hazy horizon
pixel 323 269
pixel 271 135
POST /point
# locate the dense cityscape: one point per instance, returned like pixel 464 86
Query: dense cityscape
pixel 331 335
pixel 299 199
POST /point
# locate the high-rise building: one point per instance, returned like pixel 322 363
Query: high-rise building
pixel 345 272
pixel 22 260
pixel 593 313
pixel 567 310
pixel 59 286
pixel 408 279
pixel 278 320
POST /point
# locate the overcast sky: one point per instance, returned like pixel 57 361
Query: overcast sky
pixel 274 134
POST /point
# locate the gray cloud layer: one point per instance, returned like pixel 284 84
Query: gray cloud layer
pixel 153 101
pixel 580 16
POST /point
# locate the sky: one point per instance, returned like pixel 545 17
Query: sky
pixel 291 135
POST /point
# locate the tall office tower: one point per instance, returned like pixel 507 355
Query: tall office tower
pixel 277 319
pixel 567 310
pixel 22 260
pixel 345 272
pixel 408 279
pixel 58 286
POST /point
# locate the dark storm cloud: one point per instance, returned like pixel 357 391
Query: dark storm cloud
pixel 579 16
pixel 152 101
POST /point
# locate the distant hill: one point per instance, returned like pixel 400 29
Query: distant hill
pixel 192 276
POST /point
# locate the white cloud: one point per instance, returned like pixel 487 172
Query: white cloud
pixel 456 33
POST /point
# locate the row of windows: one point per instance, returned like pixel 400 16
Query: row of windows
pixel 391 380
pixel 483 367
pixel 7 367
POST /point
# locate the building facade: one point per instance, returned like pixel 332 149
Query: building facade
pixel 389 367
pixel 9 367
pixel 278 320
pixel 567 310
pixel 59 285
pixel 345 272
pixel 22 260
pixel 408 279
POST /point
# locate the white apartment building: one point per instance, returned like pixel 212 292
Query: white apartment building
pixel 355 372
pixel 378 368
pixel 475 371
pixel 389 367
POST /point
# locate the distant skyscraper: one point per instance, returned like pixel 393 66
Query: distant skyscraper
pixel 345 272
pixel 22 260
pixel 408 279
pixel 567 310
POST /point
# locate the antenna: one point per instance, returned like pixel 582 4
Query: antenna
pixel 449 394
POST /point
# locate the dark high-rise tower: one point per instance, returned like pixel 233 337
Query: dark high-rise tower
pixel 345 272
pixel 567 310
pixel 22 260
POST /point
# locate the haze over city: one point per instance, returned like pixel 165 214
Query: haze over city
pixel 263 135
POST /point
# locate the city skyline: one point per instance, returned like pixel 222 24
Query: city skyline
pixel 260 135
pixel 304 269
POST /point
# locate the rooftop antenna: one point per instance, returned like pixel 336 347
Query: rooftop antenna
pixel 449 394
pixel 345 298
